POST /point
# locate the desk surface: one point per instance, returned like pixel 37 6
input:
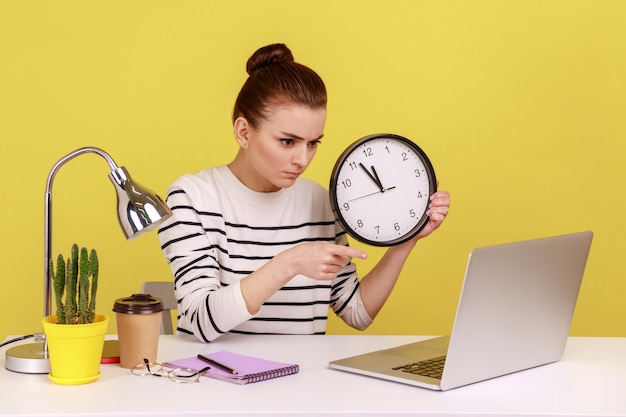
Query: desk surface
pixel 589 380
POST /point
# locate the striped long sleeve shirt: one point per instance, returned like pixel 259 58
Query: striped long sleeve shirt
pixel 221 231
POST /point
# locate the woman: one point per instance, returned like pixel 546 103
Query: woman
pixel 253 247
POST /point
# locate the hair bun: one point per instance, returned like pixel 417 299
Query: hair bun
pixel 268 55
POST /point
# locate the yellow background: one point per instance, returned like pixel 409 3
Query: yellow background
pixel 519 104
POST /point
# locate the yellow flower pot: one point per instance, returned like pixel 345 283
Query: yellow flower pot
pixel 75 349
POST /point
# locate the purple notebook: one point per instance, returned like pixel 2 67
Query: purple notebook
pixel 249 368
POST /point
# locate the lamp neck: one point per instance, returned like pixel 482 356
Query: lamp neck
pixel 74 154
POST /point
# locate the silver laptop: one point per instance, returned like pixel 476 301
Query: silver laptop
pixel 514 313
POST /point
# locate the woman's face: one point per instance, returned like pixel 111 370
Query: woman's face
pixel 281 147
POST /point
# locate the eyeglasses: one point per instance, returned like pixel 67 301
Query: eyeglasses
pixel 179 375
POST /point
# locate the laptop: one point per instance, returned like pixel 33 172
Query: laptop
pixel 514 313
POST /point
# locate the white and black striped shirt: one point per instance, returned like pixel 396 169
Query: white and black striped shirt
pixel 221 231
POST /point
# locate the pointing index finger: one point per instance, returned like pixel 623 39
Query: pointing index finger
pixel 352 252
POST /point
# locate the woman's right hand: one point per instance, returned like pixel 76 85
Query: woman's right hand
pixel 318 260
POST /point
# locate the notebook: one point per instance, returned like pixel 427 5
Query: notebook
pixel 514 313
pixel 249 369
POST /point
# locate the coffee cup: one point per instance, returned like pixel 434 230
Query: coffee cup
pixel 138 328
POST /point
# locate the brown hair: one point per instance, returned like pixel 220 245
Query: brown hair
pixel 275 78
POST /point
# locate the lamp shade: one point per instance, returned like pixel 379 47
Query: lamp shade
pixel 138 209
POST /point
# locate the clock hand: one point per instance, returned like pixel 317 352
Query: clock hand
pixel 363 196
pixel 380 184
pixel 372 177
pixel 367 195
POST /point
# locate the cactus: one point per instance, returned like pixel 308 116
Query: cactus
pixel 83 286
pixel 71 281
pixel 75 293
pixel 59 287
pixel 93 271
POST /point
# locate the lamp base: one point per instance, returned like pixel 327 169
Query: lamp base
pixel 29 358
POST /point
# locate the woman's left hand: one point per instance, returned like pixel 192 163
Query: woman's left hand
pixel 438 210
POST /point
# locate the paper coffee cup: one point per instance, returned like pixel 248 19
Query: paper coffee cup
pixel 138 328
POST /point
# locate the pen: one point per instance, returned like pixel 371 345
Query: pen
pixel 212 362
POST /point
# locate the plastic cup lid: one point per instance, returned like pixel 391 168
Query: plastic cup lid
pixel 138 304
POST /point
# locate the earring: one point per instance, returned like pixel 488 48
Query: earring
pixel 244 145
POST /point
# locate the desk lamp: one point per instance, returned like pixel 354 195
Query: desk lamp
pixel 138 211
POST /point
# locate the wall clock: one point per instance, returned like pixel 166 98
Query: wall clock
pixel 380 189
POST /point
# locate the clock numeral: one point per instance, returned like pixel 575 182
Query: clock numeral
pixel 346 206
pixel 420 195
pixel 359 223
pixel 404 156
pixel 353 165
pixel 418 173
pixel 396 226
pixel 377 229
pixel 368 152
pixel 346 183
pixel 412 213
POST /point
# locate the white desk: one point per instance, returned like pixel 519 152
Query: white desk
pixel 590 380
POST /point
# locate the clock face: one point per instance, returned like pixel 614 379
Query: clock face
pixel 380 189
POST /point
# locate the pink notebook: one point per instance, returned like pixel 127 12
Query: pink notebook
pixel 249 368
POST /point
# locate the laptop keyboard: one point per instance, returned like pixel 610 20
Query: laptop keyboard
pixel 432 368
